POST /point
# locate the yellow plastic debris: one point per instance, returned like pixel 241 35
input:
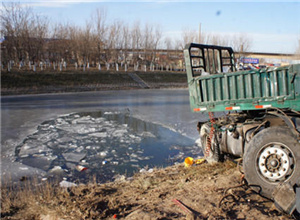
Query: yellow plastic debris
pixel 188 161
pixel 199 161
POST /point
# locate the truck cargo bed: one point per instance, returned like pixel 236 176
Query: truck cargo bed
pixel 277 87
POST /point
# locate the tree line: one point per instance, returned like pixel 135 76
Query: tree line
pixel 32 39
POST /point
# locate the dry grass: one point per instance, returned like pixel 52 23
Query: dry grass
pixel 146 195
pixel 26 200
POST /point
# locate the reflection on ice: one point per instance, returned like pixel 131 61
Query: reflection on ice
pixel 106 144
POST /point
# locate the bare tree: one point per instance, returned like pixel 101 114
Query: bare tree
pixel 150 39
pixel 147 37
pixel 59 43
pixel 24 32
pixel 241 43
pixel 156 40
pixel 14 19
pixel 39 33
pixel 28 37
pixel 188 36
pixel 136 40
pixel 114 43
pixel 168 43
pixel 74 42
pixel 100 27
pixel 126 43
pixel 216 39
pixel 147 41
pixel 85 43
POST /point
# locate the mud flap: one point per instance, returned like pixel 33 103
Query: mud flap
pixel 285 198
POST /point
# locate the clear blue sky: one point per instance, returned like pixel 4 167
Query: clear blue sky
pixel 273 26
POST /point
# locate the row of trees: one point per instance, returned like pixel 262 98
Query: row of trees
pixel 30 37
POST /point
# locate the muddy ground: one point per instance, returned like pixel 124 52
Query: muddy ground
pixel 206 191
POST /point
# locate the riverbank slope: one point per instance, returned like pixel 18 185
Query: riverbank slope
pixel 17 83
pixel 206 191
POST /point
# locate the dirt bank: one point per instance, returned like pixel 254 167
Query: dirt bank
pixel 204 189
pixel 17 83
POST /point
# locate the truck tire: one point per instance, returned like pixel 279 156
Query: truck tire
pixel 214 154
pixel 272 157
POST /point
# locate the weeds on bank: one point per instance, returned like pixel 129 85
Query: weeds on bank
pixel 27 199
pixel 32 199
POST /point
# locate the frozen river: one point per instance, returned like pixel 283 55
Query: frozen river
pixel 76 136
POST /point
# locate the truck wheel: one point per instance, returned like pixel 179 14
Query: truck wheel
pixel 272 157
pixel 214 154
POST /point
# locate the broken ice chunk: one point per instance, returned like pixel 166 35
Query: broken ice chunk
pixel 143 170
pixel 66 184
pixel 99 134
pixel 103 153
pixel 119 133
pixel 133 155
pixel 56 169
pixel 79 149
pixel 74 157
pixel 61 121
pixel 42 163
pixel 65 139
pixel 27 149
pixel 148 134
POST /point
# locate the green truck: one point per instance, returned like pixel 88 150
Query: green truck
pixel 259 122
